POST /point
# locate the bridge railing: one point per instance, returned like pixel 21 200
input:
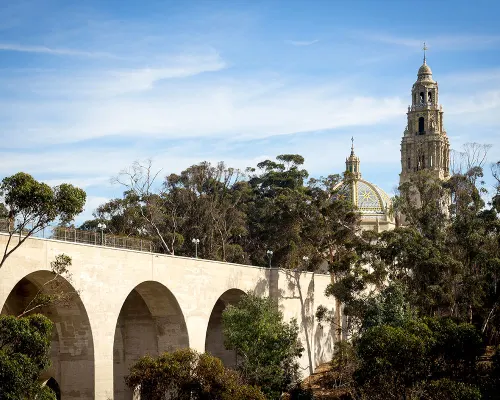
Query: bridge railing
pixel 88 237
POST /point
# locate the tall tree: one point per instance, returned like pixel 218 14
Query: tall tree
pixel 122 217
pixel 279 211
pixel 203 202
pixel 212 198
pixel 33 205
pixel 268 348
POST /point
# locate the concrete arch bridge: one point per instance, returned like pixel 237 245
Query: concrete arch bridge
pixel 133 303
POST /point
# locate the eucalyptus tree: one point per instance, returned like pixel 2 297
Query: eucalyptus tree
pixel 279 212
pixel 204 202
pixel 31 206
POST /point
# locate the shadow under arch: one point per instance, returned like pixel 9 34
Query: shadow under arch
pixel 52 383
pixel 72 346
pixel 214 341
pixel 150 322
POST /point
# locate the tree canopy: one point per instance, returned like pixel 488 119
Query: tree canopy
pixel 31 206
pixel 268 348
pixel 237 216
pixel 422 301
pixel 24 354
pixel 187 375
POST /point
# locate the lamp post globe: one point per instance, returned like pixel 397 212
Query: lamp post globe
pixel 269 256
pixel 102 226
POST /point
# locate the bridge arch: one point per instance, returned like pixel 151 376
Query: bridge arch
pixel 52 383
pixel 72 347
pixel 214 342
pixel 150 322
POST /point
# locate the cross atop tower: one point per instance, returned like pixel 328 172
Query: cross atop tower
pixel 424 49
pixel 352 145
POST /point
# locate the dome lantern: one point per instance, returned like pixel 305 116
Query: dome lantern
pixel 352 163
pixel 373 204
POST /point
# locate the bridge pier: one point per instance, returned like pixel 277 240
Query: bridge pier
pixel 104 383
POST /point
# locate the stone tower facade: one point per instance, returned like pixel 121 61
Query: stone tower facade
pixel 425 144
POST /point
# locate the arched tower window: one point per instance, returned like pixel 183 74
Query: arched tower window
pixel 421 125
pixel 422 98
pixel 421 162
pixel 429 97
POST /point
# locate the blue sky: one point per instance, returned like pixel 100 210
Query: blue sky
pixel 86 88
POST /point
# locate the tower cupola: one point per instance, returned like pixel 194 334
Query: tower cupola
pixel 425 72
pixel 372 203
pixel 352 163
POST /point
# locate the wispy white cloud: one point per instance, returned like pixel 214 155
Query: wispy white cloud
pixel 302 42
pixel 212 109
pixel 82 182
pixel 449 42
pixel 144 78
pixel 111 82
pixel 90 205
pixel 389 39
pixel 170 107
pixel 476 77
pixel 476 103
pixel 54 51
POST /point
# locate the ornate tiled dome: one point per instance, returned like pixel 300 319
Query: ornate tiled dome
pixel 368 198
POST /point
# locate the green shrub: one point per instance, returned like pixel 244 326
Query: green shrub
pixel 188 375
pixel 451 390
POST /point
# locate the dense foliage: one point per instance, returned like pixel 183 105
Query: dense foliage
pixel 422 300
pixel 31 206
pixel 446 259
pixel 24 354
pixel 268 348
pixel 237 216
pixel 186 375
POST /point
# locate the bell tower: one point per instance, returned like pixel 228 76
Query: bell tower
pixel 425 144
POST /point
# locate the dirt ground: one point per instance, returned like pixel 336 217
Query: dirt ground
pixel 320 382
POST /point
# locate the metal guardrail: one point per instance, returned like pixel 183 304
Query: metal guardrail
pixel 88 237
pixel 99 239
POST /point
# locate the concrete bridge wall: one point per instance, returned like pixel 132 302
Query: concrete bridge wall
pixel 133 303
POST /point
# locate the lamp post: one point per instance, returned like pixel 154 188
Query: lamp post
pixel 269 256
pixel 102 226
pixel 306 261
pixel 196 242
